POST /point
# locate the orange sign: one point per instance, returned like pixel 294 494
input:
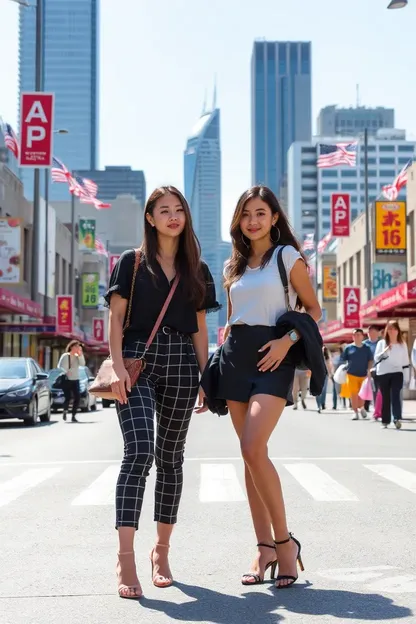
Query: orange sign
pixel 329 286
pixel 391 227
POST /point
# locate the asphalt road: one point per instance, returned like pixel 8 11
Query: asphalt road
pixel 350 490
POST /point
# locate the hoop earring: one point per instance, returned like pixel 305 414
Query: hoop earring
pixel 244 241
pixel 277 234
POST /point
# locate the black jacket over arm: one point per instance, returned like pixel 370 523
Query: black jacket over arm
pixel 306 353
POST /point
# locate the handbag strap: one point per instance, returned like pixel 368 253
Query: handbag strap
pixel 162 313
pixel 283 277
pixel 133 282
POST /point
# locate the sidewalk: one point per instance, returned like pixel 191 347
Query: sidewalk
pixel 409 407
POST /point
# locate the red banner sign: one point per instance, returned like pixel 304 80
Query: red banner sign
pixel 64 314
pixel 352 297
pixel 340 214
pixel 112 261
pixel 36 129
pixel 98 329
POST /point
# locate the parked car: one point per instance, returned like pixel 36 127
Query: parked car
pixel 24 391
pixel 88 401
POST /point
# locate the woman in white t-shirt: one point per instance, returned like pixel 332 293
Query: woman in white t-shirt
pixel 256 369
pixel 392 362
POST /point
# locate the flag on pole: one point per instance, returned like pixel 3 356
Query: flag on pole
pixel 324 242
pixel 10 138
pixel 59 172
pixel 309 242
pixel 336 155
pixel 86 190
pixel 100 247
pixel 391 191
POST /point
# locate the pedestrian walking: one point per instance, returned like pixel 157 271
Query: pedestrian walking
pixel 336 388
pixel 371 342
pixel 300 387
pixel 359 358
pixel 392 363
pixel 70 362
pixel 321 399
pixel 141 282
pixel 257 368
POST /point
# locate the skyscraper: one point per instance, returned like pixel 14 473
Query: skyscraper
pixel 280 106
pixel 71 72
pixel 202 172
pixel 334 121
pixel 116 180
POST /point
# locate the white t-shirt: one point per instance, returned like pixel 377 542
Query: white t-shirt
pixel 397 357
pixel 258 297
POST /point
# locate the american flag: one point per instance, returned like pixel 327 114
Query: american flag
pixel 86 190
pixel 324 242
pixel 10 139
pixel 309 242
pixel 335 155
pixel 100 247
pixel 59 172
pixel 391 191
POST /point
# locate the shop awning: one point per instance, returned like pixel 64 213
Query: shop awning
pixel 399 302
pixel 10 303
pixel 335 331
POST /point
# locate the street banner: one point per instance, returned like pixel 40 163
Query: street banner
pixel 340 215
pixel 351 300
pixel 11 251
pixel 86 234
pixel 388 275
pixel 36 129
pixel 98 329
pixel 64 314
pixel 113 259
pixel 90 290
pixel 391 227
pixel 329 286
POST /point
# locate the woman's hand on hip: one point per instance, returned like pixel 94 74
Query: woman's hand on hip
pixel 201 406
pixel 277 351
pixel 120 384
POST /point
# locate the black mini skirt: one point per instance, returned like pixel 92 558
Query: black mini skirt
pixel 240 378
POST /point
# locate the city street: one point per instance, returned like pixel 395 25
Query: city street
pixel 350 489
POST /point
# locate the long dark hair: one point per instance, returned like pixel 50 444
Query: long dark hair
pixel 399 335
pixel 240 253
pixel 188 256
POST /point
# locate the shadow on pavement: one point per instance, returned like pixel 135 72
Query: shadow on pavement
pixel 213 606
pixel 19 424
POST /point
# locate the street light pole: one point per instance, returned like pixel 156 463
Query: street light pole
pixel 36 242
pixel 367 208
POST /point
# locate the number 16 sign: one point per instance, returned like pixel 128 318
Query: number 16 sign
pixel 391 227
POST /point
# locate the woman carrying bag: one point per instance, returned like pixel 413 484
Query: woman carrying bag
pixel 392 369
pixel 167 276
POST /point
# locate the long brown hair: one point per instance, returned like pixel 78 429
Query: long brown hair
pixel 399 334
pixel 240 252
pixel 188 256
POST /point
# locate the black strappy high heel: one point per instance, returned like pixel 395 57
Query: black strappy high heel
pixel 288 577
pixel 257 578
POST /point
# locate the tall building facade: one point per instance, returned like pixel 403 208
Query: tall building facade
pixel 114 181
pixel 202 173
pixel 71 32
pixel 281 109
pixel 334 121
pixel 310 188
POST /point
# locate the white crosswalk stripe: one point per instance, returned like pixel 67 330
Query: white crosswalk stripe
pixel 319 484
pixel 101 491
pixel 396 475
pixel 15 487
pixel 219 483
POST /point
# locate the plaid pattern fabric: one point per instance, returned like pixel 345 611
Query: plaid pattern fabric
pixel 168 386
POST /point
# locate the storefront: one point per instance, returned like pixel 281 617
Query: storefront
pixel 335 332
pixel 12 308
pixel 398 303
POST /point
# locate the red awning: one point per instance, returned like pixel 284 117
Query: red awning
pixel 398 302
pixel 12 303
pixel 335 331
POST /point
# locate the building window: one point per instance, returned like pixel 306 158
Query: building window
pixel 325 212
pixel 372 173
pixel 308 175
pixel 403 160
pixel 387 160
pixel 386 148
pixel 406 148
pixel 329 173
pixel 371 148
pixel 326 198
pixel 348 186
pixel 308 200
pixel 328 186
pixel 371 161
pixel 308 161
pixel 309 187
pixel 349 173
pixel 373 186
pixel 309 150
pixel 389 173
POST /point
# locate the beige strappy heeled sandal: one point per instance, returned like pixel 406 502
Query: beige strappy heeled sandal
pixel 159 580
pixel 128 583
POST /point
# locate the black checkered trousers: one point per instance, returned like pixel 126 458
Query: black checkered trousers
pixel 167 387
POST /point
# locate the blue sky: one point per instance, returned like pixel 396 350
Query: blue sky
pixel 159 57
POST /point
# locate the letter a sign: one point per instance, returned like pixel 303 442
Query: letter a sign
pixel 340 215
pixel 36 129
pixel 351 306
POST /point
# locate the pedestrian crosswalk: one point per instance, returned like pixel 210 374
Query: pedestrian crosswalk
pixel 209 481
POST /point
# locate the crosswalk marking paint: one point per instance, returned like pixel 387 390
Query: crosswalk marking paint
pixel 319 484
pixel 101 491
pixel 396 475
pixel 219 483
pixel 12 489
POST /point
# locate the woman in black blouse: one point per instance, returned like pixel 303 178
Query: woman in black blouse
pixel 169 383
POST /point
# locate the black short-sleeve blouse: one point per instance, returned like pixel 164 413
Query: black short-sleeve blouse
pixel 150 295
